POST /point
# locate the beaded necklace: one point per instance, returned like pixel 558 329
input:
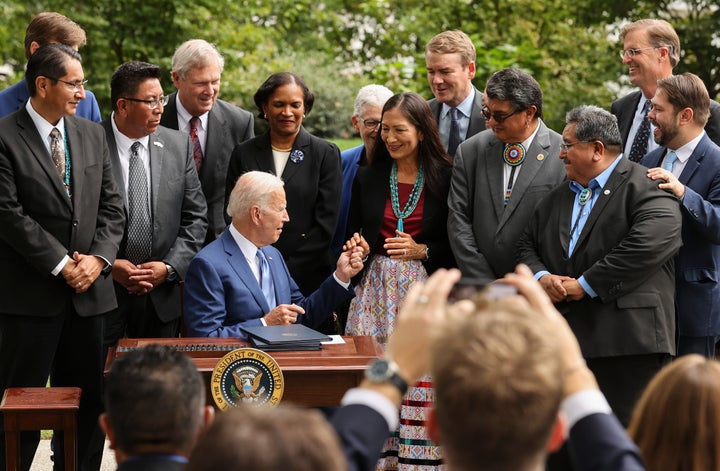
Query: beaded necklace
pixel 412 200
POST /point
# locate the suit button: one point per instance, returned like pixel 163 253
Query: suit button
pixel 75 223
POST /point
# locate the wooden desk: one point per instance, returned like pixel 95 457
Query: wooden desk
pixel 312 378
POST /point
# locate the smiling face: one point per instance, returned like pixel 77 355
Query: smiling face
pixel 284 110
pixel 199 90
pixel 135 119
pixel 371 114
pixel 646 67
pixel 449 80
pixel 665 119
pixel 512 126
pixel 400 136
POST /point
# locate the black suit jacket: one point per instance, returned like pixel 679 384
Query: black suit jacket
pixel 313 187
pixel 179 212
pixel 624 108
pixel 367 210
pixel 626 253
pixel 228 126
pixel 40 223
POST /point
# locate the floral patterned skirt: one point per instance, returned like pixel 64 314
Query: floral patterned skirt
pixel 372 312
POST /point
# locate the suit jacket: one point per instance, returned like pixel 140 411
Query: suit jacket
pixel 313 187
pixel 362 431
pixel 350 160
pixel 599 442
pixel 227 126
pixel 477 121
pixel 13 98
pixel 698 261
pixel 367 211
pixel 625 252
pixel 41 224
pixel 483 233
pixel 222 294
pixel 624 108
pixel 179 213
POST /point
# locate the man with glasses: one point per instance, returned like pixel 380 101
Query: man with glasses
pixel 499 176
pixel 651 48
pixel 450 62
pixel 62 223
pixel 167 216
pixel 48 28
pixel 215 126
pixel 603 247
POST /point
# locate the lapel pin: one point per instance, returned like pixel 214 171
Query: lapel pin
pixel 606 192
pixel 159 144
pixel 540 157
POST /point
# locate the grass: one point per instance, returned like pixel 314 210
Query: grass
pixel 345 144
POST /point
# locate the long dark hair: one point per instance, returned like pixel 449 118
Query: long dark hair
pixel 431 152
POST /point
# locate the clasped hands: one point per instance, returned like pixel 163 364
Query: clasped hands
pixel 400 247
pixel 562 288
pixel 139 279
pixel 81 271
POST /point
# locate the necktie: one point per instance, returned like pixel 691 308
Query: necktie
pixel 139 226
pixel 197 149
pixel 266 281
pixel 670 159
pixel 640 143
pixel 454 136
pixel 58 151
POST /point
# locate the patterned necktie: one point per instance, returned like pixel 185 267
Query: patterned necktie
pixel 266 281
pixel 197 149
pixel 670 159
pixel 454 136
pixel 58 152
pixel 640 143
pixel 139 225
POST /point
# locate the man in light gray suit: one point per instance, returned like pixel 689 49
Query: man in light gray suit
pixel 167 222
pixel 500 175
pixel 196 69
pixel 450 62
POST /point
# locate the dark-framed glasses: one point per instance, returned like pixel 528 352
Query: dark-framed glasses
pixel 76 86
pixel 151 104
pixel 634 51
pixel 370 123
pixel 499 118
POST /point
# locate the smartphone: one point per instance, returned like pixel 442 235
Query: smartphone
pixel 469 288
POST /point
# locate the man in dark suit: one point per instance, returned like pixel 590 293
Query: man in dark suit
pixel 492 197
pixel 62 221
pixel 651 48
pixel 450 62
pixel 168 228
pixel 603 249
pixel 688 165
pixel 197 66
pixel 48 28
pixel 155 409
pixel 240 280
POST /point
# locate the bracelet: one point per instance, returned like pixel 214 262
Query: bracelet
pixel 427 252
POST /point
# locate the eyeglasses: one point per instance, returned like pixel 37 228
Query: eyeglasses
pixel 76 86
pixel 370 123
pixel 499 118
pixel 634 51
pixel 151 104
pixel 565 147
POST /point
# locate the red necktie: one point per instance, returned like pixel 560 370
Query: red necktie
pixel 197 150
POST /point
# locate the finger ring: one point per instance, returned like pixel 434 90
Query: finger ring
pixel 405 253
pixel 79 285
pixel 422 299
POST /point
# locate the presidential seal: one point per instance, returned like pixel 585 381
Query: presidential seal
pixel 246 376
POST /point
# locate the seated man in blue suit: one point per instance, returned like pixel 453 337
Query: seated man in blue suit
pixel 687 163
pixel 47 28
pixel 239 280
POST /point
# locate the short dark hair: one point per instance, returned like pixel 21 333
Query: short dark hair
pixel 593 123
pixel 49 61
pixel 154 397
pixel 262 95
pixel 687 91
pixel 128 77
pixel 517 87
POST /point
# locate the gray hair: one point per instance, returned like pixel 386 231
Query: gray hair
pixel 195 53
pixel 517 87
pixel 252 188
pixel 371 95
pixel 593 123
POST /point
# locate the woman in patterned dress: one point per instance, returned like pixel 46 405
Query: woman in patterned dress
pixel 399 206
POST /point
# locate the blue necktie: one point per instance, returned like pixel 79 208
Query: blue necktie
pixel 454 136
pixel 266 281
pixel 670 159
pixel 640 143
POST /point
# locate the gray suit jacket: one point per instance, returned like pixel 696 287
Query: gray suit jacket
pixel 228 126
pixel 483 233
pixel 477 122
pixel 178 210
pixel 40 223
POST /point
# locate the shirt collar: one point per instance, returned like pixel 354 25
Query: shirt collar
pixel 42 125
pixel 248 249
pixel 124 142
pixel 184 116
pixel 684 152
pixel 600 180
pixel 465 107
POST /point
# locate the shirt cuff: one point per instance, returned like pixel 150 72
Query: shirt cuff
pixel 540 274
pixel 58 268
pixel 341 283
pixel 583 282
pixel 582 404
pixel 375 401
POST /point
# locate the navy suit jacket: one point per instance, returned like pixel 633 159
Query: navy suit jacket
pixel 14 97
pixel 350 165
pixel 222 294
pixel 698 261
